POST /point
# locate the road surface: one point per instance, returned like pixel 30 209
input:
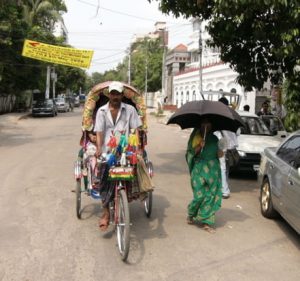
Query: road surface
pixel 41 238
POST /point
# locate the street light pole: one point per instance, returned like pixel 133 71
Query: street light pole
pixel 129 65
pixel 146 79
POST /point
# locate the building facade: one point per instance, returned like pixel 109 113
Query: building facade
pixel 213 74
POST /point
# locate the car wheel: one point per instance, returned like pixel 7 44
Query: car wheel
pixel 266 204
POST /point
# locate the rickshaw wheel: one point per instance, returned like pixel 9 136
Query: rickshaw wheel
pixel 78 198
pixel 148 204
pixel 123 227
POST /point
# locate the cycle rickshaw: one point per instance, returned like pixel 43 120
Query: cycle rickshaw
pixel 122 185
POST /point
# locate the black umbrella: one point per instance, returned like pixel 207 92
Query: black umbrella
pixel 221 116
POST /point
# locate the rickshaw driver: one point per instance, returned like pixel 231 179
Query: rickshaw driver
pixel 112 117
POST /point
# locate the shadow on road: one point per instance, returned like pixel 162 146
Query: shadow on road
pixel 171 162
pixel 227 216
pixel 144 228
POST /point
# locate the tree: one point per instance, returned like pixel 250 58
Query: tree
pixel 70 78
pixel 291 90
pixel 43 13
pixel 147 56
pixel 259 39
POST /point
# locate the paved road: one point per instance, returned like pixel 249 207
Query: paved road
pixel 41 238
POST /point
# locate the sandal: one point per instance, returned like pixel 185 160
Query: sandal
pixel 209 229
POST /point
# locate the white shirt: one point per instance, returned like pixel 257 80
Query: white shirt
pixel 127 119
pixel 229 137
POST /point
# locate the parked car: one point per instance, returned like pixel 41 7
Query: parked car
pixel 82 98
pixel 62 105
pixel 279 176
pixel 275 125
pixel 252 140
pixel 45 107
pixel 76 102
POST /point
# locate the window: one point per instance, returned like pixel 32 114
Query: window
pixel 194 95
pixel 187 96
pixel 290 151
pixel 254 126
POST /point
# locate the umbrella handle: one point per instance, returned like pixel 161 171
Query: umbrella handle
pixel 204 137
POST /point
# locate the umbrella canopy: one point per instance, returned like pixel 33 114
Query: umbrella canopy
pixel 221 116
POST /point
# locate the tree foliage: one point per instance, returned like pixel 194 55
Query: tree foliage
pixel 146 64
pixel 291 90
pixel 31 19
pixel 259 39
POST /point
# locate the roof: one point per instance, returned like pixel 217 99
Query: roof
pixel 180 48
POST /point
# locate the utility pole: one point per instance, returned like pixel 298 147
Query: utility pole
pixel 54 79
pixel 47 92
pixel 165 35
pixel 200 61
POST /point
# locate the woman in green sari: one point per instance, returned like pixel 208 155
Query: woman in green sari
pixel 202 157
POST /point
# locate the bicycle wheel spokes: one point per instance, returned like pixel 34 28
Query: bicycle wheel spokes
pixel 123 227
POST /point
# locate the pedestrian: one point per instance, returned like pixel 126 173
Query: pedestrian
pixel 265 109
pixel 246 107
pixel 231 142
pixel 111 119
pixel 202 157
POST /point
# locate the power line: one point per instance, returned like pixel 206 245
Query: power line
pixel 117 12
pixel 113 55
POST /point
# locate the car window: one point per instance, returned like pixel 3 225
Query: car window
pixel 273 123
pixel 290 151
pixel 49 102
pixel 254 126
pixel 44 102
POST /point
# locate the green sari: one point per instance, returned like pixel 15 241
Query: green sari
pixel 205 180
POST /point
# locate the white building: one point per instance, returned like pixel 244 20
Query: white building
pixel 216 76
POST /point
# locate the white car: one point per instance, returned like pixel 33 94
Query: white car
pixel 275 125
pixel 252 140
pixel 62 105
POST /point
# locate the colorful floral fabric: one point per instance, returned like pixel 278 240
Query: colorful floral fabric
pixel 205 179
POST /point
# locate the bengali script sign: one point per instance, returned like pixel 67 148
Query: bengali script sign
pixel 57 54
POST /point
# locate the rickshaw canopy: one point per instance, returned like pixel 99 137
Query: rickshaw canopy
pixel 100 91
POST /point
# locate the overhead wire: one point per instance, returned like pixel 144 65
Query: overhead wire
pixel 117 12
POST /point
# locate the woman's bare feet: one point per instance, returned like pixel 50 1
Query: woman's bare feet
pixel 208 228
pixel 189 220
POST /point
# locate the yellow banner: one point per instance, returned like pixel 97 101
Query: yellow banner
pixel 56 54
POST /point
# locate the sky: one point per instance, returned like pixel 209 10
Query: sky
pixel 108 27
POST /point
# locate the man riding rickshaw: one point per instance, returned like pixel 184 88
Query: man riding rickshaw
pixel 114 138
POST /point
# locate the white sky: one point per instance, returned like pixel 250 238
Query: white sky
pixel 108 28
